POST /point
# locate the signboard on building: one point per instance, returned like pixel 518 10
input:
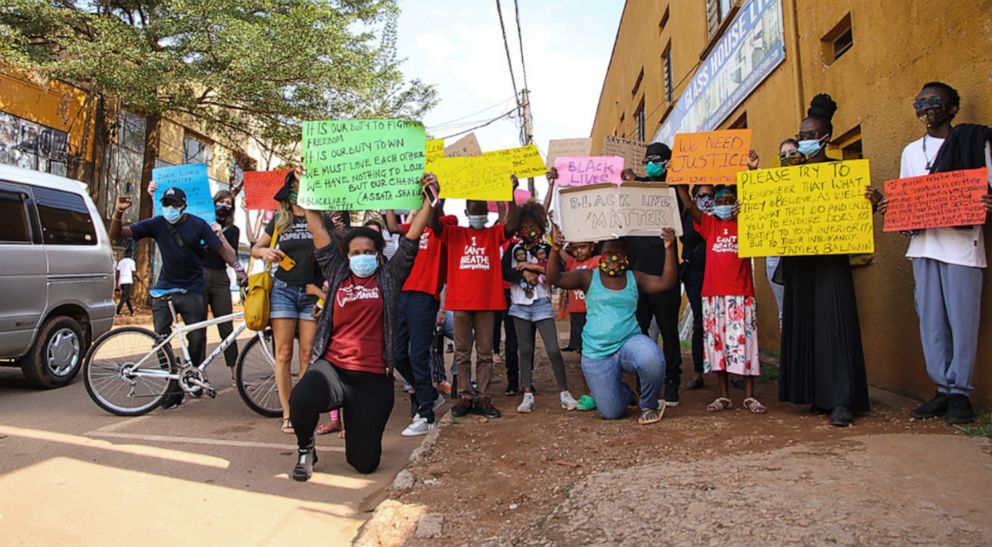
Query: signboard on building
pixel 751 47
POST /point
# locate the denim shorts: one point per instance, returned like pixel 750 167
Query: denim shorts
pixel 539 310
pixel 290 302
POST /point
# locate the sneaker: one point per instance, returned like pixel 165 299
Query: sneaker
pixel 419 426
pixel 170 402
pixel 304 464
pixel 932 408
pixel 439 400
pixel 449 348
pixel 567 401
pixel 695 383
pixel 462 407
pixel 959 410
pixel 527 405
pixel 485 408
pixel 841 416
pixel 512 391
pixel 671 394
pixel 586 403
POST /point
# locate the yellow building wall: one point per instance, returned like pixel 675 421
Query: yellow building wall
pixel 874 83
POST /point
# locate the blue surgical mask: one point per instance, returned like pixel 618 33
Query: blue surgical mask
pixel 363 265
pixel 654 169
pixel 478 221
pixel 171 214
pixel 705 204
pixel 811 147
pixel 725 212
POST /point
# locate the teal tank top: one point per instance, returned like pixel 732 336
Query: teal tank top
pixel 611 317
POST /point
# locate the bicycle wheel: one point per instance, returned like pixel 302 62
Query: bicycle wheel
pixel 115 379
pixel 256 376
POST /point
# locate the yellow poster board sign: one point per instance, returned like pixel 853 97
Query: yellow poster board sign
pixel 472 178
pixel 814 209
pixel 433 151
pixel 523 162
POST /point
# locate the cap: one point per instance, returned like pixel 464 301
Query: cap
pixel 174 195
pixel 287 188
pixel 659 149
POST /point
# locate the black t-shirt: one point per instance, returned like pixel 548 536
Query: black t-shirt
pixel 182 259
pixel 213 261
pixel 693 244
pixel 297 243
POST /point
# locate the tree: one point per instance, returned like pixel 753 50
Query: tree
pixel 243 68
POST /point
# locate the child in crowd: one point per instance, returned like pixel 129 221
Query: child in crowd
pixel 580 258
pixel 520 257
pixel 730 321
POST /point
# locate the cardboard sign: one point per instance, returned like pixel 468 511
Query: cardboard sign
pixel 260 186
pixel 465 146
pixel 588 170
pixel 523 162
pixel 191 179
pixel 631 151
pixel 362 165
pixel 713 157
pixel 937 201
pixel 813 209
pixel 568 147
pixel 472 178
pixel 607 211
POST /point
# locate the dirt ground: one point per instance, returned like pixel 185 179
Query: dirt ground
pixel 554 477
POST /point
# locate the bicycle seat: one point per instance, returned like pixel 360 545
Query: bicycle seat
pixel 165 294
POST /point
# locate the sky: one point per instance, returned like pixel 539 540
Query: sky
pixel 457 45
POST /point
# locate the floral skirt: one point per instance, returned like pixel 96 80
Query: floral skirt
pixel 730 335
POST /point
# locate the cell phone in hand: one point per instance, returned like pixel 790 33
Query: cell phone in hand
pixel 287 263
pixel 432 192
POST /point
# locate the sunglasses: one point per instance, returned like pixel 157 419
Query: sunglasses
pixel 649 159
pixel 703 195
pixel 927 103
pixel 789 154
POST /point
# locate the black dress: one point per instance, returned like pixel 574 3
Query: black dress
pixel 822 361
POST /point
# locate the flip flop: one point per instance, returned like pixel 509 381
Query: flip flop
pixel 287 427
pixel 651 416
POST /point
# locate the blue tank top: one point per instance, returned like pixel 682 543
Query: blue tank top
pixel 611 317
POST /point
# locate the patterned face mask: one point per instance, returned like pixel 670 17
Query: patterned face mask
pixel 613 265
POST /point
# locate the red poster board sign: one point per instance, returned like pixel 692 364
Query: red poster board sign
pixel 936 201
pixel 260 186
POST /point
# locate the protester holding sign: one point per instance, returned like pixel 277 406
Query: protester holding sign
pixel 822 361
pixel 611 340
pixel 947 262
pixel 475 294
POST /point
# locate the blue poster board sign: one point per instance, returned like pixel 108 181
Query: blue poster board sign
pixel 191 179
pixel 751 47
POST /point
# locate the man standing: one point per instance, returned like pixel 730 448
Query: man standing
pixel 947 262
pixel 181 238
pixel 125 280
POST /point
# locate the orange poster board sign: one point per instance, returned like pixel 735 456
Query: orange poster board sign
pixel 711 157
pixel 260 186
pixel 939 200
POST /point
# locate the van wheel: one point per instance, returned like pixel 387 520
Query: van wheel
pixel 57 355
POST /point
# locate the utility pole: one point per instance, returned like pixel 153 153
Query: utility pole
pixel 527 132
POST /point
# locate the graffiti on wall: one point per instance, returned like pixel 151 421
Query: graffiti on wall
pixel 33 146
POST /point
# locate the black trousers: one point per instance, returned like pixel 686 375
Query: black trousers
pixel 510 357
pixel 693 278
pixel 219 301
pixel 576 322
pixel 125 298
pixel 664 307
pixel 368 401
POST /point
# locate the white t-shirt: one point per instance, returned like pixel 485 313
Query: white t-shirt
pixel 125 268
pixel 964 247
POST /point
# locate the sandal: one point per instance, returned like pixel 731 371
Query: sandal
pixel 651 416
pixel 324 429
pixel 754 406
pixel 718 404
pixel 287 427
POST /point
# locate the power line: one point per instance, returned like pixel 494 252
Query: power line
pixel 454 121
pixel 490 122
pixel 520 39
pixel 509 61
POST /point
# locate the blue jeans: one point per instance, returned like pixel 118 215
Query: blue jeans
pixel 638 355
pixel 414 334
pixel 290 301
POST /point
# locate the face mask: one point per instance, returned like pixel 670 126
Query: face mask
pixel 532 235
pixel 292 197
pixel 363 265
pixel 171 214
pixel 933 117
pixel 705 204
pixel 811 147
pixel 793 159
pixel 223 210
pixel 613 265
pixel 654 169
pixel 478 221
pixel 724 212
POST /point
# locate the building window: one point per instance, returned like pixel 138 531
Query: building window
pixel 740 122
pixel 666 72
pixel 196 149
pixel 623 118
pixel 639 120
pixel 30 145
pixel 664 20
pixel 65 219
pixel 718 11
pixel 838 41
pixel 14 228
pixel 849 145
pixel 637 84
pixel 125 158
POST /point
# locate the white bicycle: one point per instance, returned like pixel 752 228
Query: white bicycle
pixel 128 370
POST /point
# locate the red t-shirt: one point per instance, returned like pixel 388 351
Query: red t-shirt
pixel 576 297
pixel 427 276
pixel 726 273
pixel 475 274
pixel 358 338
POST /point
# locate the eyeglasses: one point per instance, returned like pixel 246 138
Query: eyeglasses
pixel 703 195
pixel 788 155
pixel 650 159
pixel 927 103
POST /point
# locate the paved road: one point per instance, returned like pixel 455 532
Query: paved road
pixel 212 472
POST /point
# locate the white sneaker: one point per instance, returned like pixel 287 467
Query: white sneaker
pixel 419 426
pixel 439 400
pixel 567 401
pixel 527 404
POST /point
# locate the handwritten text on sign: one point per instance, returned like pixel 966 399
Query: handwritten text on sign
pixel 568 147
pixel 523 162
pixel 936 201
pixel 587 170
pixel 607 211
pixel 631 151
pixel 713 157
pixel 814 209
pixel 260 186
pixel 472 178
pixel 191 179
pixel 362 164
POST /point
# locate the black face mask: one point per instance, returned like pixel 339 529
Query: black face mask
pixel 222 210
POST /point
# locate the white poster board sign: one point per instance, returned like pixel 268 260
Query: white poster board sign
pixel 606 211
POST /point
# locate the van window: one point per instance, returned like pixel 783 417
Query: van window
pixel 65 220
pixel 14 228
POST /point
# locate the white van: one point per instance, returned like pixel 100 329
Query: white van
pixel 56 275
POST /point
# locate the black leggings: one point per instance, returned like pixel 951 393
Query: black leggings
pixel 125 298
pixel 368 400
